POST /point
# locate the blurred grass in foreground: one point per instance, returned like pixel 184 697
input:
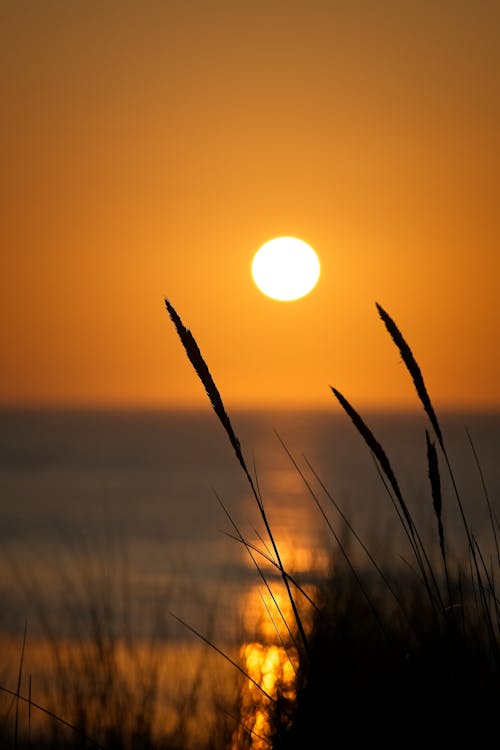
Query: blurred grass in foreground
pixel 399 652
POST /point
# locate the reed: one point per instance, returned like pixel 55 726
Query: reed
pixel 435 681
pixel 379 454
pixel 201 368
pixel 403 655
pixel 412 663
pixel 437 501
pixel 109 685
pixel 413 368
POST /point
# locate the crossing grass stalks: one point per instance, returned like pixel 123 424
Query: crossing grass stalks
pixel 415 668
pixel 403 654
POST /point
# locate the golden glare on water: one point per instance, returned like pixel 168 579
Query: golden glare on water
pixel 285 268
pixel 269 656
pixel 273 668
pixel 270 662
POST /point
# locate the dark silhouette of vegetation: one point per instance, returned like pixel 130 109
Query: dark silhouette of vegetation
pixel 415 669
pixel 402 655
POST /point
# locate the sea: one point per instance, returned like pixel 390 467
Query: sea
pixel 139 527
pixel 158 500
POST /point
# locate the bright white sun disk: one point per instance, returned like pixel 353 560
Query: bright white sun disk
pixel 286 268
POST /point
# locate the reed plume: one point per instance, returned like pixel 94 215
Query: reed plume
pixel 435 480
pixel 201 368
pixel 413 369
pixel 377 451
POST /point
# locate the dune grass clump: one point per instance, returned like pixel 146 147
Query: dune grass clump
pixel 401 652
pixel 106 672
pixel 406 656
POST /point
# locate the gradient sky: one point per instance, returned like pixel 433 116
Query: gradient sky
pixel 149 148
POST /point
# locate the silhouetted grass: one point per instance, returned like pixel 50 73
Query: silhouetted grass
pixel 201 368
pixel 413 662
pixel 403 655
pixel 107 686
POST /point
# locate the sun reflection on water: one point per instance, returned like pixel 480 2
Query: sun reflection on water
pixel 270 662
pixel 270 655
pixel 273 668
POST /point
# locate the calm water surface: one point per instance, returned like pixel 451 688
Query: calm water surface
pixel 134 495
pixel 110 522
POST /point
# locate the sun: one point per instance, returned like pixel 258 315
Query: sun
pixel 285 268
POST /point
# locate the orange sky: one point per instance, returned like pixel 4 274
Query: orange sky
pixel 149 148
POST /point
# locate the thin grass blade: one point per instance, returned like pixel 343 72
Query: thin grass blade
pixel 201 369
pixel 435 480
pixel 377 451
pixel 413 369
pixel 493 520
pixel 19 679
pixel 52 715
pixel 224 655
pixel 29 708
